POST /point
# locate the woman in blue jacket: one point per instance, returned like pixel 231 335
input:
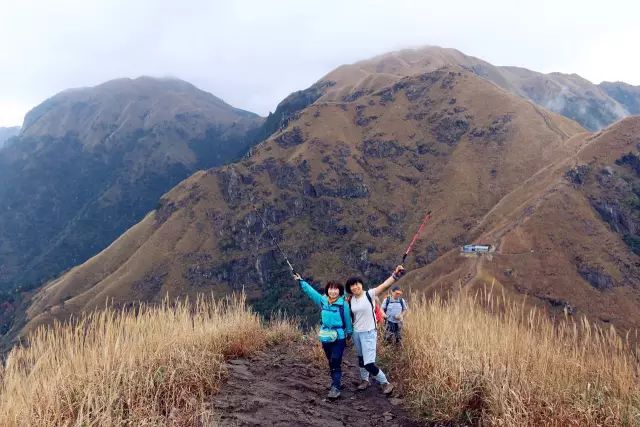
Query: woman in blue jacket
pixel 335 327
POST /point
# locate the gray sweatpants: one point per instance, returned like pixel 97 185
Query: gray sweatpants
pixel 366 343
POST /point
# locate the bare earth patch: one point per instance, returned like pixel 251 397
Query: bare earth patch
pixel 280 386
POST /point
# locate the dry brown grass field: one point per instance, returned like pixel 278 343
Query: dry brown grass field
pixel 482 360
pixel 152 367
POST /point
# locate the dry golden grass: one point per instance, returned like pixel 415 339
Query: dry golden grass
pixel 467 360
pixel 316 354
pixel 153 367
pixel 283 329
pixel 484 361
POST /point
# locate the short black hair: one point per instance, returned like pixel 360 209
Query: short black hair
pixel 332 284
pixel 352 281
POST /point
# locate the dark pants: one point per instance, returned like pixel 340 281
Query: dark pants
pixel 394 330
pixel 333 351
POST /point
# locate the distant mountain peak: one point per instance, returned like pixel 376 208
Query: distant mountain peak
pixel 97 159
pixel 592 106
pixel 126 104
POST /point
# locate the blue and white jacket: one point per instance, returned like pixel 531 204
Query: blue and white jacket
pixel 332 314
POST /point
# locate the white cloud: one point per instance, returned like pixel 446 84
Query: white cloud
pixel 12 112
pixel 253 53
pixel 612 57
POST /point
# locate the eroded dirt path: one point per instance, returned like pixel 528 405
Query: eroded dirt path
pixel 281 387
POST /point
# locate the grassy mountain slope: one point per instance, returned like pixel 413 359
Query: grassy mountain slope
pixel 566 237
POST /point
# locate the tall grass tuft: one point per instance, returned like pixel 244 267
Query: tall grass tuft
pixel 283 328
pixel 482 360
pixel 155 366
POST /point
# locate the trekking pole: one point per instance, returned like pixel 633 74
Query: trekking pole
pixel 426 219
pixel 273 239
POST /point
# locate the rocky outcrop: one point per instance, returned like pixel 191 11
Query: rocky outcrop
pixel 630 160
pixel 290 138
pixel 578 175
pixel 290 107
pixel 596 277
pixel 449 130
pixel 615 196
pixel 497 131
pixel 382 148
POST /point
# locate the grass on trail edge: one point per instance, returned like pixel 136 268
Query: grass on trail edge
pixel 484 360
pixel 155 366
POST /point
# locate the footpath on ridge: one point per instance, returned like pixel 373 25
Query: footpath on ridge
pixel 281 386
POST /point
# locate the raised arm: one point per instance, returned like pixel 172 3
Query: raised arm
pixel 382 288
pixel 315 296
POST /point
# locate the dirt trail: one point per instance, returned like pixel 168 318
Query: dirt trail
pixel 280 387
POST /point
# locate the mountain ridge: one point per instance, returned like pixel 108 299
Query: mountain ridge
pixel 568 94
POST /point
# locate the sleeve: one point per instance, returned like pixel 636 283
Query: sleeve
pixel 404 304
pixel 315 296
pixel 385 304
pixel 347 318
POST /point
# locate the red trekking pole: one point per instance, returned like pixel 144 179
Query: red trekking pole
pixel 426 219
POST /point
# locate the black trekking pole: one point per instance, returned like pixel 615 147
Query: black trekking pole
pixel 426 219
pixel 264 224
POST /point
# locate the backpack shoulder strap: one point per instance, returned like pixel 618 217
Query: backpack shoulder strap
pixel 385 304
pixel 369 298
pixel 404 307
pixel 373 307
pixel 344 323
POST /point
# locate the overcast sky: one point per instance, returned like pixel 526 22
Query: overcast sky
pixel 252 53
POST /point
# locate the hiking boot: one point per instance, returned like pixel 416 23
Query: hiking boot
pixel 387 388
pixel 363 385
pixel 334 393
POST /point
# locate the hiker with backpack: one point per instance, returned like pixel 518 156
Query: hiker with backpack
pixel 336 326
pixel 394 308
pixel 362 306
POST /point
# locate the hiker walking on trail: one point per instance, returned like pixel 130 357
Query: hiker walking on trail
pixel 335 327
pixel 394 308
pixel 365 334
